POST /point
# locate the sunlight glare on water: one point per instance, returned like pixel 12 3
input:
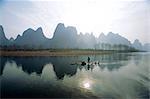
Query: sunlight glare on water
pixel 86 85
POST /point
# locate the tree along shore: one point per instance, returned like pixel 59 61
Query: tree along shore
pixel 58 52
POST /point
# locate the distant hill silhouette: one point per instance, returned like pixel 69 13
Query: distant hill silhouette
pixel 86 41
pixel 67 38
pixel 31 39
pixel 146 47
pixel 112 38
pixel 64 37
pixel 3 40
pixel 137 44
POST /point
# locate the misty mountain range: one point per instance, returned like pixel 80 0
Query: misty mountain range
pixel 67 38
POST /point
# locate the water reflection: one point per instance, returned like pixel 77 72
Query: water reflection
pixel 62 65
pixel 109 76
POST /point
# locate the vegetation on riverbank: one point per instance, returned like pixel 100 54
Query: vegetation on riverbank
pixel 59 52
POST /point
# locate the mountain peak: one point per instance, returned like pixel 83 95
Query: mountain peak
pixel 3 38
pixel 60 25
pixel 102 35
pixel 1 30
pixel 18 37
pixel 28 31
pixel 31 32
pixel 136 40
pixel 2 34
pixel 71 28
pixel 1 27
pixel 111 34
pixel 136 44
pixel 39 29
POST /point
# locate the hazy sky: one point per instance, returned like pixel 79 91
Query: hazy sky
pixel 129 18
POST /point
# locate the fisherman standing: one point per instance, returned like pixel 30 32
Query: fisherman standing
pixel 88 59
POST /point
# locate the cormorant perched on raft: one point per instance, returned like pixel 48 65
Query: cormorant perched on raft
pixel 83 63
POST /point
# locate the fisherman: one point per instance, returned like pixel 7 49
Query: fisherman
pixel 88 59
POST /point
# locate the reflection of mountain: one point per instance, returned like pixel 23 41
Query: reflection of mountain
pixel 28 64
pixel 114 61
pixel 3 61
pixel 61 65
pixel 109 61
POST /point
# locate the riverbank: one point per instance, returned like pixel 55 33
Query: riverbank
pixel 63 52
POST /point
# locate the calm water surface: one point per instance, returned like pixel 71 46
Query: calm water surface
pixel 115 76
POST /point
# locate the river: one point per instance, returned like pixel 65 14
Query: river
pixel 115 76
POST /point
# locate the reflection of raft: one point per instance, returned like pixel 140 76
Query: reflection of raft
pixel 83 63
